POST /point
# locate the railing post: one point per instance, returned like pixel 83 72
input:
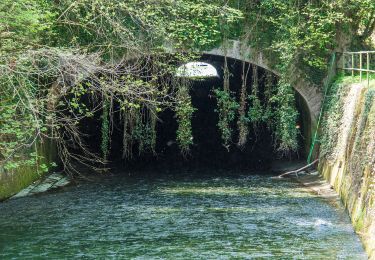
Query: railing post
pixel 352 64
pixel 368 69
pixel 363 67
pixel 360 66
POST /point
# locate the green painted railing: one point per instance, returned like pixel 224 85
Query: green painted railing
pixel 327 82
pixel 362 62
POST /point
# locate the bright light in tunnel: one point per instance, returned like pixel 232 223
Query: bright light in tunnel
pixel 197 70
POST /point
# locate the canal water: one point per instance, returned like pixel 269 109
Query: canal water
pixel 181 216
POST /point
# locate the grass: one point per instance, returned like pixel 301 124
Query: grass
pixel 348 78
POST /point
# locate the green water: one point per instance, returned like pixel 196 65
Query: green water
pixel 177 217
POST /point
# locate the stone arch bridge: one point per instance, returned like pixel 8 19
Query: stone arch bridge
pixel 311 94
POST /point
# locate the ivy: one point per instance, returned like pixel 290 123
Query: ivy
pixel 285 120
pixel 105 130
pixel 255 113
pixel 25 25
pixel 242 122
pixel 184 113
pixel 144 131
pixel 226 108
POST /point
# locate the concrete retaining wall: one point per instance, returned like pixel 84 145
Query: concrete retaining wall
pixel 349 168
pixel 13 181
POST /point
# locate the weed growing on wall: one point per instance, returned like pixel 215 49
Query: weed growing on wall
pixel 331 123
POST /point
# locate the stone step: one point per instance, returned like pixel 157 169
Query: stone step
pixel 52 181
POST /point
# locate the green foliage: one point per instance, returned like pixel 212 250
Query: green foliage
pixel 13 132
pixel 105 130
pixel 24 25
pixel 333 112
pixel 255 112
pixel 303 33
pixel 184 113
pixel 19 128
pixel 242 122
pixel 227 107
pixel 143 25
pixel 286 115
pixel 66 41
pixel 144 131
pixel 270 106
pixel 198 24
pixel 74 101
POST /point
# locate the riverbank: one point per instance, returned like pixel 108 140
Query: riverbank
pixel 50 182
pixel 12 181
pixel 318 185
pixel 347 152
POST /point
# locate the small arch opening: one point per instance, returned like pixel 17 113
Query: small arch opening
pixel 197 71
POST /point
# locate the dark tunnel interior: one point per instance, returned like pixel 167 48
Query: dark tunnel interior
pixel 207 151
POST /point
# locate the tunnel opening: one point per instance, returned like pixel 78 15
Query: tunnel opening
pixel 208 151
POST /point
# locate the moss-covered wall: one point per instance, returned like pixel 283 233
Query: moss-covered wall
pixel 348 153
pixel 13 181
pixel 306 127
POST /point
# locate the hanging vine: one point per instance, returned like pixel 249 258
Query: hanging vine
pixel 138 131
pixel 226 108
pixel 139 127
pixel 255 113
pixel 105 130
pixel 242 122
pixel 126 137
pixel 285 122
pixel 268 108
pixel 184 113
pixel 145 131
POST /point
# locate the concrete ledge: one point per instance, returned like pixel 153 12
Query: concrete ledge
pixel 53 181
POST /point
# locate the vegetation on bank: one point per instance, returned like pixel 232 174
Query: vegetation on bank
pixel 334 121
pixel 347 150
pixel 55 54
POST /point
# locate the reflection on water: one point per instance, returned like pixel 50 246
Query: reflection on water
pixel 177 217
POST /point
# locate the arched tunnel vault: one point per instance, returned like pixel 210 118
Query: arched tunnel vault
pixel 309 96
pixel 240 50
pixel 208 150
pixel 305 119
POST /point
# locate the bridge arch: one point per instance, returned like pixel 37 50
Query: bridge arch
pixel 309 95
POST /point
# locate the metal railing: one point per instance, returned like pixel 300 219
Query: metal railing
pixel 361 61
